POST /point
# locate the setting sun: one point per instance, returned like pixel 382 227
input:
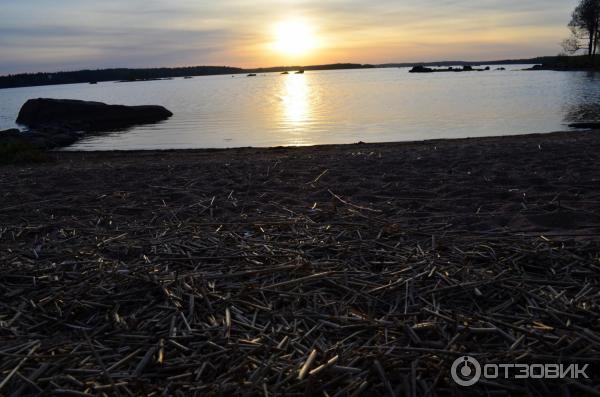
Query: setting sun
pixel 294 38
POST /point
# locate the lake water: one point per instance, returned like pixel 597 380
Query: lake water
pixel 324 107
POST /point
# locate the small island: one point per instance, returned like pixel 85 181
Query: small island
pixel 465 68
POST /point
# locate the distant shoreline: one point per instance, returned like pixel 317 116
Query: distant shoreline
pixel 125 75
pixel 144 74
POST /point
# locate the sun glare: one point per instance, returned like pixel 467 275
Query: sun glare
pixel 294 38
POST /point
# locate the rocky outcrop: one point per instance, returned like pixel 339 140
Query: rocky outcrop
pixel 61 122
pixel 421 69
pixel 466 68
pixel 88 116
pixel 11 136
pixel 9 132
pixel 47 138
pixel 538 67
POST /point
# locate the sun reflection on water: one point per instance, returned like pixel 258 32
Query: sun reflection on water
pixel 296 98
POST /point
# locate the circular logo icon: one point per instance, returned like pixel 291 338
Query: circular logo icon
pixel 466 371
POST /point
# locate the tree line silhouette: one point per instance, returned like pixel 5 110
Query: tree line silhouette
pixel 96 76
pixel 585 28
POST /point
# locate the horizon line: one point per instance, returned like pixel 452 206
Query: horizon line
pixel 280 66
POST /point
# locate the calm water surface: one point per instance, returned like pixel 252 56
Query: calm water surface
pixel 375 105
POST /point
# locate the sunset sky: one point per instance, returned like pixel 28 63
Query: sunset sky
pixel 51 35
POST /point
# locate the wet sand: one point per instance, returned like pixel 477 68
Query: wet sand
pixel 397 245
pixel 531 184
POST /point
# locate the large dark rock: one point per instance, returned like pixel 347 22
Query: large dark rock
pixel 92 116
pixel 61 122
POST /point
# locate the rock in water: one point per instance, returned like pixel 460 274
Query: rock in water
pixel 420 69
pixel 586 125
pixel 84 115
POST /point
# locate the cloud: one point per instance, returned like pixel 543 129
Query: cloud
pixel 71 34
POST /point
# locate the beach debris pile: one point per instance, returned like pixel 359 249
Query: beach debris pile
pixel 288 307
pixel 167 288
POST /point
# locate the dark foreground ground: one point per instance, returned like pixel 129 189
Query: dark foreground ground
pixel 340 270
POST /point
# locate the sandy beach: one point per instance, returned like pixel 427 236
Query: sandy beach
pixel 365 268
